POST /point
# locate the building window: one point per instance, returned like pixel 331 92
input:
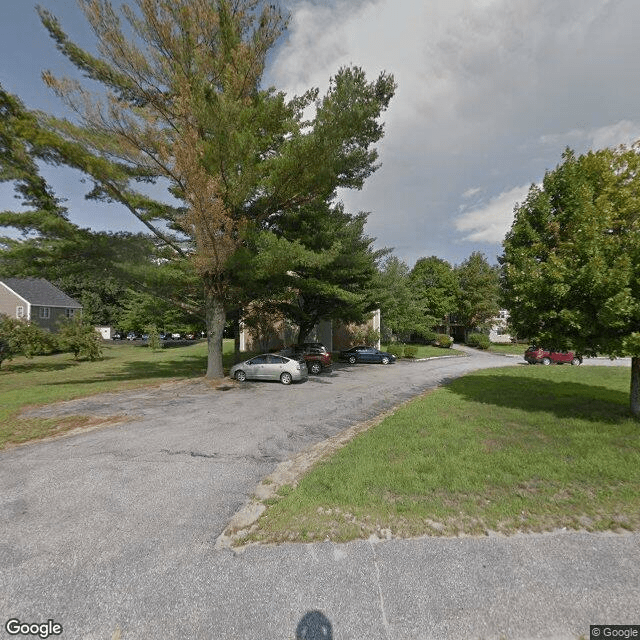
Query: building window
pixel 19 312
pixel 45 313
pixel 69 313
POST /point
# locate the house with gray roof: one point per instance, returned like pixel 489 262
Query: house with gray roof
pixel 36 300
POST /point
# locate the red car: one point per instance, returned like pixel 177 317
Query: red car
pixel 540 355
pixel 315 354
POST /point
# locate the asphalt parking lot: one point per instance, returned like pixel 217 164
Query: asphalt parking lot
pixel 115 528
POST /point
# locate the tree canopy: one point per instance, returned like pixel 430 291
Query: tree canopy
pixel 571 261
pixel 478 292
pixel 183 105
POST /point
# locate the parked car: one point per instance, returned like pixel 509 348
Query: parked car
pixel 542 355
pixel 176 336
pixel 366 354
pixel 270 366
pixel 132 335
pixel 117 336
pixel 315 354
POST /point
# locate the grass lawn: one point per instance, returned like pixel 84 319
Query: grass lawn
pixel 45 379
pixel 506 450
pixel 427 351
pixel 512 349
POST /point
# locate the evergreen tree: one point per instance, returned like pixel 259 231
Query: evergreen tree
pixel 184 103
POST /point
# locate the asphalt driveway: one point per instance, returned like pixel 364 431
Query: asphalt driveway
pixel 115 529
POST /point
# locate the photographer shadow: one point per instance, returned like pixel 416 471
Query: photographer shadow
pixel 314 625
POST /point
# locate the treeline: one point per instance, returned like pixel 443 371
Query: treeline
pixel 433 296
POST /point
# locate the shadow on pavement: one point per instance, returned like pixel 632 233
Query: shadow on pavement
pixel 314 625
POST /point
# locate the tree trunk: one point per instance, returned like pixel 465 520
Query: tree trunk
pixel 305 328
pixel 635 386
pixel 215 320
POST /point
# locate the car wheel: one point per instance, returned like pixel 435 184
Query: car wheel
pixel 352 359
pixel 286 378
pixel 241 376
pixel 546 361
pixel 385 360
pixel 576 361
pixel 315 368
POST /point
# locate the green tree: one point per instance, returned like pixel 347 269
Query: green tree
pixel 571 261
pixel 317 264
pixel 96 268
pixel 398 307
pixel 435 288
pixel 479 292
pixel 27 338
pixel 184 104
pixel 80 338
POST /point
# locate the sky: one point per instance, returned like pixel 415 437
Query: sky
pixel 490 93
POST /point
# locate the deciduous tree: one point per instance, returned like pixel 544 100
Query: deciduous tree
pixel 571 261
pixel 435 289
pixel 478 293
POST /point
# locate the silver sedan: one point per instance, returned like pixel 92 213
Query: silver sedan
pixel 269 366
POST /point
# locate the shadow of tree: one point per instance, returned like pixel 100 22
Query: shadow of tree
pixel 31 366
pixel 183 367
pixel 562 398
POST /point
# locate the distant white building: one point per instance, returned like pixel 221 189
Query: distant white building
pixel 105 332
pixel 498 332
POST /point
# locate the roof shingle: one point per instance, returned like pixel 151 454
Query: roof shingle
pixel 38 291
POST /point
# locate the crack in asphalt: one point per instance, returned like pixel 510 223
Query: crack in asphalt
pixel 222 457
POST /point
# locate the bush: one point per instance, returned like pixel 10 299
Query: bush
pixel 396 349
pixel 80 338
pixel 424 337
pixel 410 351
pixel 21 336
pixel 154 342
pixel 443 341
pixel 478 340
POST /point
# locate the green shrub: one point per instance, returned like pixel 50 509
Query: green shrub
pixel 478 340
pixel 154 342
pixel 396 349
pixel 80 338
pixel 22 336
pixel 410 351
pixel 424 336
pixel 443 341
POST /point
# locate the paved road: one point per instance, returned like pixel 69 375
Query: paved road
pixel 115 529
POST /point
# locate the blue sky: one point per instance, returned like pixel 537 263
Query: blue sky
pixel 490 92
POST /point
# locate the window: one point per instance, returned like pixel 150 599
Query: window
pixel 45 313
pixel 19 312
pixel 69 313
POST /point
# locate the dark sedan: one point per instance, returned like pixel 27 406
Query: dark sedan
pixel 366 354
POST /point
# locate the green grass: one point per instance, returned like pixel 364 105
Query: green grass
pixel 46 379
pixel 511 349
pixel 518 449
pixel 427 351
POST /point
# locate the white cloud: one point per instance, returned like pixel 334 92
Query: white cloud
pixel 490 222
pixel 624 132
pixel 469 193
